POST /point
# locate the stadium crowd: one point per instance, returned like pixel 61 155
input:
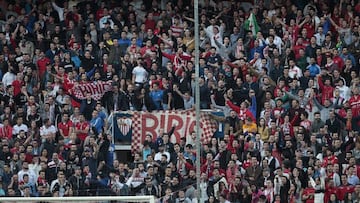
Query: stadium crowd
pixel 285 74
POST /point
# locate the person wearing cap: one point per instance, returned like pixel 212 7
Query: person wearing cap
pixel 105 21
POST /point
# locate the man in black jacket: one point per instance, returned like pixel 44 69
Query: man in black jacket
pixel 77 182
pixel 112 99
pixel 127 98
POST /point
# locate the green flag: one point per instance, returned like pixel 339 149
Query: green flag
pixel 251 24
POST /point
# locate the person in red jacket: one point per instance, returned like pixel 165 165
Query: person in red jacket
pixel 179 60
pixel 6 130
pixel 244 111
pixel 42 63
pixel 18 83
pixel 327 91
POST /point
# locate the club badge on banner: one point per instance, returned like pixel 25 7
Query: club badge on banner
pixel 135 126
pixel 122 127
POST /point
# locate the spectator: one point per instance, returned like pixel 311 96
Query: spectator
pixel 298 64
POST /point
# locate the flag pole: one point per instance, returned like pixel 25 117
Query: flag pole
pixel 197 99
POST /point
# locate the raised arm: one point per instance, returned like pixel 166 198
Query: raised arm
pixel 303 23
pixel 168 42
pixel 292 96
pixel 220 45
pixel 171 131
pixel 176 89
pixel 208 31
pixel 253 103
pixel 232 106
pixel 320 83
pixel 169 56
pixel 56 7
pixel 342 119
pixel 333 22
pixel 316 102
pixel 217 118
pixel 188 18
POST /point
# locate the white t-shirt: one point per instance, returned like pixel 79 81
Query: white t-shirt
pixel 46 131
pixel 8 78
pixel 159 154
pixel 32 176
pixel 140 74
pixel 295 72
pixel 18 128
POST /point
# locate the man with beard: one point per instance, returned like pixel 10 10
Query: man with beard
pixel 162 152
pixel 127 99
pixel 219 93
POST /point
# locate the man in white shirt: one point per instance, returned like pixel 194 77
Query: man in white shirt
pixel 161 153
pixel 140 75
pixel 215 32
pixel 47 130
pixel 344 90
pixel 294 71
pixel 277 40
pixel 8 77
pixel 25 170
pixel 320 36
pixel 20 126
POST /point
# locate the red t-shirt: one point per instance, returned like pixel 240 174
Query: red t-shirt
pixel 150 24
pixel 42 66
pixel 328 192
pixel 6 132
pixel 309 191
pixel 354 103
pixel 17 87
pixel 339 62
pixel 65 127
pixel 82 126
pixel 327 91
pixel 28 157
pixel 330 159
pixel 310 30
pixel 342 190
